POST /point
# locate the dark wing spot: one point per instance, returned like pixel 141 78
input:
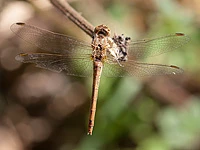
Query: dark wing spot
pixel 20 23
pixel 174 67
pixel 179 34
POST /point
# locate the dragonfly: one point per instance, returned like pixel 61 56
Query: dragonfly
pixel 111 56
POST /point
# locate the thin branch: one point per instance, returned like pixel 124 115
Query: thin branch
pixel 74 16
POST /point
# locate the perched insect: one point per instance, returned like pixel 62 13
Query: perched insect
pixel 118 55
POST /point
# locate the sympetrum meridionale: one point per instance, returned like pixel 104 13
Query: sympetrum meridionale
pixel 118 55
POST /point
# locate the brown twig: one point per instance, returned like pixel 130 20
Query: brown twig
pixel 74 16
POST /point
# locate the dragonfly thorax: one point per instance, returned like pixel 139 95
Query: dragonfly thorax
pixel 104 45
pixel 101 43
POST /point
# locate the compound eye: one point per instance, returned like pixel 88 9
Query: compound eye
pixel 104 32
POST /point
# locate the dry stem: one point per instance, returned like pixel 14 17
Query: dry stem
pixel 74 16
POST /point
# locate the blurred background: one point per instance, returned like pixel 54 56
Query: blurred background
pixel 40 109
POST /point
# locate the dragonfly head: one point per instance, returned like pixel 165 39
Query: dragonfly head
pixel 102 30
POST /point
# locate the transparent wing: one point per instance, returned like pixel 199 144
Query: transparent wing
pixel 133 68
pixel 152 47
pixel 50 41
pixel 76 66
